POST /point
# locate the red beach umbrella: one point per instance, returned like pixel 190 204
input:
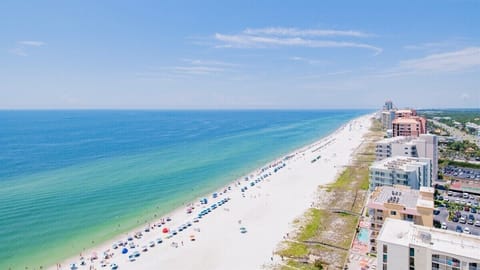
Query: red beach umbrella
pixel 165 230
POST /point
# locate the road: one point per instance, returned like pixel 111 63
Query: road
pixel 456 132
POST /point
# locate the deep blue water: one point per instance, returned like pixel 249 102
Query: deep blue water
pixel 68 177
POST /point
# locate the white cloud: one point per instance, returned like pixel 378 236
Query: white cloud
pixel 197 70
pixel 283 31
pixel 208 62
pixel 32 43
pixel 18 51
pixel 307 60
pixel 187 69
pixel 249 41
pixel 450 61
pixel 21 48
pixel 455 61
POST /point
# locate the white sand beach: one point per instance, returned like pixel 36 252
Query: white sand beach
pixel 265 210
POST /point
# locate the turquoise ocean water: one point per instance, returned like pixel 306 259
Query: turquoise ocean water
pixel 72 179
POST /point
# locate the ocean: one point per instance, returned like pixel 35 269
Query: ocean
pixel 70 180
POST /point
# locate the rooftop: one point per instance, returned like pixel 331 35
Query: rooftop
pixel 405 120
pixel 399 163
pixel 393 140
pixel 401 195
pixel 406 233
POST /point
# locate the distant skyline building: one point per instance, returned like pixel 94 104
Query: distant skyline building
pixel 387 119
pixel 399 202
pixel 388 106
pixel 426 146
pixel 414 172
pixel 404 245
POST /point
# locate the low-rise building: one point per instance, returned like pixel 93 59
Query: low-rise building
pixel 404 245
pixel 399 202
pixel 414 172
pixel 473 128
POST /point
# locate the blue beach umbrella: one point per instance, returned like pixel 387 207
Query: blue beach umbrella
pixel 124 251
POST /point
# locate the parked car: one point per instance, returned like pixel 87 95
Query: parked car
pixel 462 220
pixel 466 230
pixel 477 223
pixel 458 229
pixel 444 225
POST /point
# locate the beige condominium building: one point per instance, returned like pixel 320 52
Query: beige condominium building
pixel 399 202
pixel 404 245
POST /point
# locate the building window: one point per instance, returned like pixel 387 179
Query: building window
pixel 412 252
pixel 385 258
pixel 472 266
pixel 385 249
pixel 393 213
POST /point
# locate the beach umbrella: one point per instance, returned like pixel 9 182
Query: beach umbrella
pixel 165 230
pixel 124 251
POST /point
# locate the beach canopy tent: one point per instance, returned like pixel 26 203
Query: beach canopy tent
pixel 124 251
pixel 165 230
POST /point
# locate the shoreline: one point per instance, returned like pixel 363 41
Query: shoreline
pixel 232 191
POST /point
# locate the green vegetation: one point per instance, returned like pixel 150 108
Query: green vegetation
pixel 294 250
pixel 310 229
pixel 343 181
pixel 302 266
pixel 461 116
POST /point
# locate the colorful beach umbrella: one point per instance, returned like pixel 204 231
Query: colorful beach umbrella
pixel 124 251
pixel 165 230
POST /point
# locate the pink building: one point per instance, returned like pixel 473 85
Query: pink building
pixel 409 126
pixel 405 113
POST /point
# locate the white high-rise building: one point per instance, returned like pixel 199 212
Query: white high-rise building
pixel 424 146
pixel 387 119
pixel 404 245
pixel 409 171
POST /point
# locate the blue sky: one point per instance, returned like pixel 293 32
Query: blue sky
pixel 239 54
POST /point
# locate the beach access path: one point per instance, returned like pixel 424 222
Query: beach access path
pixel 265 210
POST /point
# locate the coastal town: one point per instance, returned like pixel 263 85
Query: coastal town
pixel 384 202
pixel 418 215
pixel 240 135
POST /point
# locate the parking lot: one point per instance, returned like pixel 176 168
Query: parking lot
pixel 458 211
pixel 463 173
